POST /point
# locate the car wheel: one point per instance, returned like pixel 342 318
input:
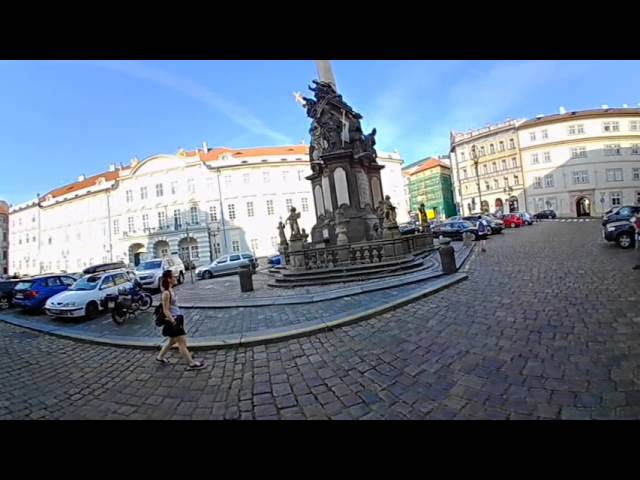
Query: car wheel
pixel 91 310
pixel 489 231
pixel 625 240
pixel 180 278
pixel 513 225
pixel 4 303
pixel 207 275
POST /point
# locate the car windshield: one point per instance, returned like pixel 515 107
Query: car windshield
pixel 86 283
pixel 152 265
pixel 24 285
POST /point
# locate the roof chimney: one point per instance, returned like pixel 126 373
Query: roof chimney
pixel 81 177
pixel 112 167
pixel 562 111
pixel 205 147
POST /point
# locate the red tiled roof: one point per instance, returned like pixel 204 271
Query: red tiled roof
pixel 434 162
pixel 4 207
pixel 215 153
pixel 88 182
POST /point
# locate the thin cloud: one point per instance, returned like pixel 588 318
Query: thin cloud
pixel 235 113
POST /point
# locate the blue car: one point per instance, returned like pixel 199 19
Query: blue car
pixel 32 293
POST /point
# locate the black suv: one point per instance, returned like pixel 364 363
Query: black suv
pixel 6 293
pixel 545 214
pixel 455 230
pixel 623 213
pixel 622 232
pixel 495 225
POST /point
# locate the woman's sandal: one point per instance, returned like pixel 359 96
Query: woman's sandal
pixel 163 360
pixel 197 366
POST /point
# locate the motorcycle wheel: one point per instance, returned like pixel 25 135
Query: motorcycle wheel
pixel 146 302
pixel 119 315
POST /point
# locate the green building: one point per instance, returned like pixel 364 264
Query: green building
pixel 429 182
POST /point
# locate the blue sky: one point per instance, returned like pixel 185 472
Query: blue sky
pixel 59 119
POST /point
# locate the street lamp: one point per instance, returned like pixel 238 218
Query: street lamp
pixel 475 159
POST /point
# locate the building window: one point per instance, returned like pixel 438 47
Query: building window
pixel 581 177
pixel 506 181
pixel 547 157
pixel 504 164
pixel 496 183
pixel 537 182
pixel 300 175
pixel 482 152
pixel 464 173
pixel 159 191
pixel 635 149
pixel 174 187
pixel 145 222
pixel 246 178
pixel 116 227
pixel 637 199
pixel 227 181
pixel 213 213
pixel 615 199
pixel 494 167
pixel 254 244
pixel 191 186
pixel 576 129
pixel 544 134
pixel 548 181
pixel 289 204
pixel 487 186
pixel 466 188
pixel 162 220
pixel 285 176
pixel 501 146
pixel 305 204
pixel 177 219
pixel 270 209
pixel 635 174
pixel 129 195
pixel 614 175
pixel 266 177
pixel 610 126
pixel 634 125
pixel 131 224
pixel 612 149
pixel 235 246
pixel 492 148
pixel 249 209
pixel 485 168
pixel 462 156
pixel 216 249
pixel 143 193
pixel 514 162
pixel 232 211
pixel 532 136
pixel 512 144
pixel 579 152
pixel 534 159
pixel 195 215
pixel 50 240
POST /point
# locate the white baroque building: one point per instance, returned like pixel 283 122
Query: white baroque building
pixel 198 204
pixel 582 163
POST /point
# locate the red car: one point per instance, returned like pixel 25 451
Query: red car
pixel 512 220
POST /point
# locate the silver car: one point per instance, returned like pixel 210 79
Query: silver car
pixel 227 264
pixel 150 271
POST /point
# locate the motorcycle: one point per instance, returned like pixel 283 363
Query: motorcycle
pixel 128 302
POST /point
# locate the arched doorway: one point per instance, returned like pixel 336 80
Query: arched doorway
pixel 513 204
pixel 136 251
pixel 583 207
pixel 484 206
pixel 188 248
pixel 499 205
pixel 161 248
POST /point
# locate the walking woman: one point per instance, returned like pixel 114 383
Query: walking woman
pixel 174 324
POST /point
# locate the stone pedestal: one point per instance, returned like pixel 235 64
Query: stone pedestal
pixel 342 239
pixel 447 257
pixel 296 253
pixel 392 249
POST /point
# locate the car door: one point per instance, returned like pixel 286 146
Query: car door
pixel 107 286
pixel 54 286
pixel 234 262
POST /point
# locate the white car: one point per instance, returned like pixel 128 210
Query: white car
pixel 150 272
pixel 85 297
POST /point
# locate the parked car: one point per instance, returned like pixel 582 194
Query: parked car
pixel 622 232
pixel 494 225
pixel 150 272
pixel 623 213
pixel 526 217
pixel 407 229
pixel 227 264
pixel 545 214
pixel 85 298
pixel 103 267
pixel 32 293
pixel 512 220
pixel 454 230
pixel 6 293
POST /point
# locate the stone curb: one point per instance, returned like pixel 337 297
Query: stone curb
pixel 251 339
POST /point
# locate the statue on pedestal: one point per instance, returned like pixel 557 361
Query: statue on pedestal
pixel 389 213
pixel 293 223
pixel 304 235
pixel 283 238
pixel 424 219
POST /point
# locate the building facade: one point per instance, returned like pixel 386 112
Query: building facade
pixel 430 183
pixel 4 238
pixel 197 204
pixel 487 169
pixel 582 163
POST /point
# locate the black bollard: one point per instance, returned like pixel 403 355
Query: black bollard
pixel 246 279
pixel 447 257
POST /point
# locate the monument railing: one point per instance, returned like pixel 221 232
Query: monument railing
pixel 362 253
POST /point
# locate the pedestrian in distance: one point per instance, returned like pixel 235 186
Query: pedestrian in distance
pixel 173 325
pixel 636 223
pixel 483 232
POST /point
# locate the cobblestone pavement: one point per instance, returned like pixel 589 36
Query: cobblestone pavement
pixel 547 326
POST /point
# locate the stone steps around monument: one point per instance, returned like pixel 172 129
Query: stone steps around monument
pixel 374 271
